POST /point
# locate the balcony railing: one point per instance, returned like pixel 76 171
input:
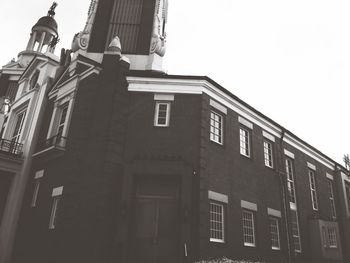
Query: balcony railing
pixel 11 147
pixel 57 141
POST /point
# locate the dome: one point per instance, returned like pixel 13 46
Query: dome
pixel 47 21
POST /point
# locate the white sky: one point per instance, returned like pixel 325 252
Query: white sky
pixel 288 59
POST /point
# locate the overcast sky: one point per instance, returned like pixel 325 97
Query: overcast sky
pixel 288 59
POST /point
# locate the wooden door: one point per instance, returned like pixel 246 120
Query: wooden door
pixel 156 223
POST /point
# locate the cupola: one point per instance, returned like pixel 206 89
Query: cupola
pixel 44 36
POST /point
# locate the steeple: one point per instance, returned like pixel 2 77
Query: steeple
pixel 44 35
pixel 140 26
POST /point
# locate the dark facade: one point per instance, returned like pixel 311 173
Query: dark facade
pixel 122 175
pixel 141 166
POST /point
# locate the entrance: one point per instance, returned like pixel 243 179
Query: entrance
pixel 155 229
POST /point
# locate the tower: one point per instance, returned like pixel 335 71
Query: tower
pixel 43 37
pixel 23 87
pixel 139 24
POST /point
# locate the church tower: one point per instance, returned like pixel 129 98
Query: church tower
pixel 139 25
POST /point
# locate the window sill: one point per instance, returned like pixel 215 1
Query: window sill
pixel 217 143
pixel 269 167
pixel 246 156
pixel 161 126
pixel 276 248
pixel 249 245
pixel 213 240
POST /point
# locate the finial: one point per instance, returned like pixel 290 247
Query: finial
pixel 115 46
pixel 347 161
pixel 51 11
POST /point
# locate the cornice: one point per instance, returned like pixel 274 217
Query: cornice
pixel 200 86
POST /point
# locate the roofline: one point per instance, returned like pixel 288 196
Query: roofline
pixel 138 73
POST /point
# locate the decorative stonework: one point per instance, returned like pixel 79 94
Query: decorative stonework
pixel 158 35
pixel 81 39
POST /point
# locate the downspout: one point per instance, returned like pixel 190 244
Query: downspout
pixel 284 198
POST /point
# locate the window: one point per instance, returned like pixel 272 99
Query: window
pixel 324 237
pixel 331 199
pixel 312 182
pixel 216 127
pixel 62 120
pixel 35 192
pixel 59 123
pixel 217 222
pixel 268 156
pixel 290 181
pixel 295 231
pixel 332 237
pixel 56 195
pixel 248 228
pixel 53 216
pixel 244 142
pixel 162 114
pixel 38 176
pixel 347 193
pixel 274 231
pixel 19 126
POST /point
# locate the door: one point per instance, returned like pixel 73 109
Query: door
pixel 155 226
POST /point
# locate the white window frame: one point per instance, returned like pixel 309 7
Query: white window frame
pixel 296 232
pixel 275 233
pixel 167 116
pixel 244 142
pixel 248 227
pixel 35 192
pixel 56 117
pixel 290 182
pixel 268 154
pixel 18 137
pixel 331 198
pixel 217 222
pixel 216 127
pixel 56 197
pixel 54 208
pixel 332 237
pixel 324 236
pixel 63 123
pixel 313 189
pixel 347 195
pixel 37 181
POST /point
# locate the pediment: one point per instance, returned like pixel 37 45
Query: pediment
pixel 76 69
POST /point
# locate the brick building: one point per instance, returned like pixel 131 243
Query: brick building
pixel 133 164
